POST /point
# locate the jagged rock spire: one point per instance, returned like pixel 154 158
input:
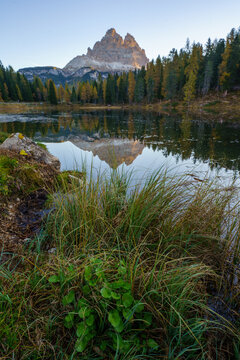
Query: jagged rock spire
pixel 112 53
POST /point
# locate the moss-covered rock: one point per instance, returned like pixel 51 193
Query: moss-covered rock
pixel 21 175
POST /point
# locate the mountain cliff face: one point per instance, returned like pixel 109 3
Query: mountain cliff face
pixel 60 76
pixel 111 54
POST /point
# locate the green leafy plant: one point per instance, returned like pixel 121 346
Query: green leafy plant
pixel 106 310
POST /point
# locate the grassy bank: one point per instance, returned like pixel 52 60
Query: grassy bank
pixel 223 104
pixel 126 273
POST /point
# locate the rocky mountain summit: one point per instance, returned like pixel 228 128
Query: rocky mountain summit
pixel 111 54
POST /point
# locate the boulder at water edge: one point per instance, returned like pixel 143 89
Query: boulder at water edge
pixel 25 146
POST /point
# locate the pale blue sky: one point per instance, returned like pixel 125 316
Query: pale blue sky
pixel 52 32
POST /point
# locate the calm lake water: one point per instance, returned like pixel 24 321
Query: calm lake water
pixel 138 141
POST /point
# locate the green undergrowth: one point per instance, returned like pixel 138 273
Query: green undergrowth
pixel 122 272
pixel 43 146
pixel 20 177
pixel 3 136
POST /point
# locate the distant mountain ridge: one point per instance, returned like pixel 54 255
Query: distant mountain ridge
pixel 60 76
pixel 111 54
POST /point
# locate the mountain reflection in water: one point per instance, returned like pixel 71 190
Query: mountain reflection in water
pixel 121 137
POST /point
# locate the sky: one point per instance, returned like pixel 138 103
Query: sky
pixel 52 32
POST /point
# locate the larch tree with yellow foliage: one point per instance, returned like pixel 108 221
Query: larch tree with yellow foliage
pixel 131 86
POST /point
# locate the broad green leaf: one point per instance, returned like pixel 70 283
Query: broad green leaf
pixel 84 312
pixel 69 320
pixel 121 284
pixel 127 314
pixel 82 303
pixel 93 282
pixel 88 273
pixel 114 318
pixel 115 296
pixel 81 329
pixel 106 293
pixel 81 344
pixel 127 299
pixel 90 320
pixel 69 298
pixel 120 327
pixel 54 279
pixel 139 307
pixel 90 334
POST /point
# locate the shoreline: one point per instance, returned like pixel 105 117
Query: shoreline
pixel 228 105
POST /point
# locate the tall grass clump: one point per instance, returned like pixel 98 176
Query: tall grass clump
pixel 128 272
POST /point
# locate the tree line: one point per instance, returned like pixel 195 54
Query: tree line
pixel 193 71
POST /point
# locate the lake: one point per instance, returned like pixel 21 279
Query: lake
pixel 135 141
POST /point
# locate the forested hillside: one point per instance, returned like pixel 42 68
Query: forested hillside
pixel 194 71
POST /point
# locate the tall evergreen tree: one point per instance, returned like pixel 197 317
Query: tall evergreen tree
pixel 52 93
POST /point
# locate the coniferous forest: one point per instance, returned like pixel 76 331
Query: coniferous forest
pixel 192 72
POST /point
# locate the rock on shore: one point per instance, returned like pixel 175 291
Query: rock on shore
pixel 25 146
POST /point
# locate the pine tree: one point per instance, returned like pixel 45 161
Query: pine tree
pixel 52 93
pixel 100 89
pixel 219 47
pixel 192 73
pixel 158 79
pixel 233 65
pixel 224 74
pixel 149 77
pixel 79 90
pixel 139 89
pixel 73 97
pixel 110 90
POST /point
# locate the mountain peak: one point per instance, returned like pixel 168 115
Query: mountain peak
pixel 111 53
pixel 111 32
pixel 129 36
pixel 129 41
